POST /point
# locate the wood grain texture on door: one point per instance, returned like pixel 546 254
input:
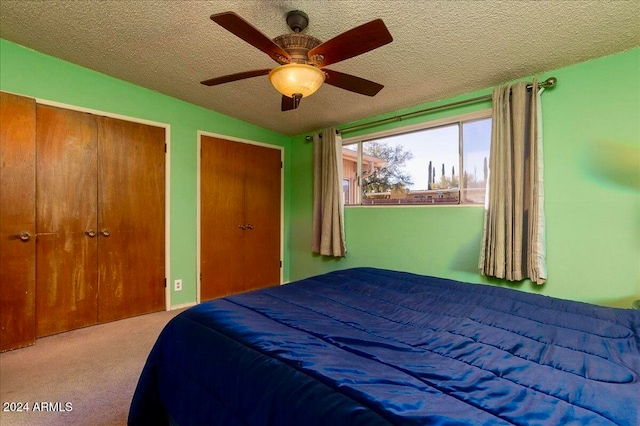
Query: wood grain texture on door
pixel 222 217
pixel 240 217
pixel 262 214
pixel 131 224
pixel 66 195
pixel 17 221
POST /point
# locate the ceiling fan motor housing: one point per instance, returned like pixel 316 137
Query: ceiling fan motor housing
pixel 297 45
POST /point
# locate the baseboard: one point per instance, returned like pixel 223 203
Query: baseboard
pixel 184 305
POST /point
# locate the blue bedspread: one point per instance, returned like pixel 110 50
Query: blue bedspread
pixel 371 347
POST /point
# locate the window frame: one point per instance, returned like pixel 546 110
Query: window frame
pixel 454 119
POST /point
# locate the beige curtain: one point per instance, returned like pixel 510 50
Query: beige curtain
pixel 328 205
pixel 513 245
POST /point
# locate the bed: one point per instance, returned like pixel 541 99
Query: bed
pixel 367 346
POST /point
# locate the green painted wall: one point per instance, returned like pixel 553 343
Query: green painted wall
pixel 592 159
pixel 29 73
pixel 592 186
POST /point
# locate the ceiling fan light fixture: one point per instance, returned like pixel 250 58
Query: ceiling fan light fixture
pixel 298 79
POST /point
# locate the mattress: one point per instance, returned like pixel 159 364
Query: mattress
pixel 367 346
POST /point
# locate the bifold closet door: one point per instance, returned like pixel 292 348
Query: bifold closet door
pixel 17 221
pixel 100 219
pixel 131 224
pixel 66 196
pixel 239 217
pixel 222 223
pixel 262 207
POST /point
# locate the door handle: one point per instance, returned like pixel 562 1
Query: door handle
pixel 242 227
pixel 24 236
pixel 249 226
pixel 90 233
pixel 105 233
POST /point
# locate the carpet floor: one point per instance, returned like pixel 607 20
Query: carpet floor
pixel 81 377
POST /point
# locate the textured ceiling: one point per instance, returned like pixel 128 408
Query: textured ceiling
pixel 440 48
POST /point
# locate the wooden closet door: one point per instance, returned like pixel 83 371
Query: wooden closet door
pixel 17 221
pixel 262 206
pixel 66 193
pixel 240 217
pixel 131 224
pixel 222 222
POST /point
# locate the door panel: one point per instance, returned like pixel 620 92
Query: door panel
pixel 131 221
pixel 66 193
pixel 262 201
pixel 17 215
pixel 222 215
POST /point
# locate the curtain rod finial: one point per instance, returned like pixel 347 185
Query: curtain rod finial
pixel 550 82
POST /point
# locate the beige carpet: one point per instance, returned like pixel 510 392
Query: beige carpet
pixel 88 376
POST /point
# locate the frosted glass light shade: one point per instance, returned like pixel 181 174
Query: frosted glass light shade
pixel 293 79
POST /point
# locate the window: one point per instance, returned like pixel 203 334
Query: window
pixel 444 162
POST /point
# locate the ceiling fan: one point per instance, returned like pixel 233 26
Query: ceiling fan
pixel 302 58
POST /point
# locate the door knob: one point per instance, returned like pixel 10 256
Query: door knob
pixel 24 236
pixel 105 233
pixel 242 227
pixel 249 226
pixel 90 233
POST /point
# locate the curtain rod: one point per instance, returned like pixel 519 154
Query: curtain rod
pixel 550 82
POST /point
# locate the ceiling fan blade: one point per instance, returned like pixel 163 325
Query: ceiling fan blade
pixel 354 42
pixel 233 23
pixel 235 77
pixel 289 103
pixel 352 83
